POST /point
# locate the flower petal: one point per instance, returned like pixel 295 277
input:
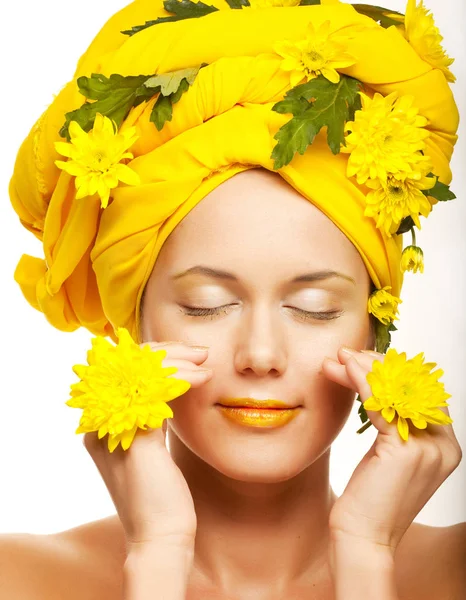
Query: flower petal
pixel 403 428
pixel 127 175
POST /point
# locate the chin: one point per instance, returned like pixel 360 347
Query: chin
pixel 250 454
pixel 260 471
pixel 262 460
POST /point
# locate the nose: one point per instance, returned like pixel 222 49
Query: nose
pixel 261 348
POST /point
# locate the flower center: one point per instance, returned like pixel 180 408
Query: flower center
pixel 388 141
pixel 396 193
pixel 313 60
pixel 99 161
pixel 133 391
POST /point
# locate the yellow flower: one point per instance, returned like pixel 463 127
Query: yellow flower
pixel 320 53
pixel 272 3
pixel 408 389
pixel 389 203
pixel 412 259
pixel 96 158
pixel 123 388
pixel 386 136
pixel 425 38
pixel 383 305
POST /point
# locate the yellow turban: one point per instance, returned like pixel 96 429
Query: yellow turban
pixel 97 261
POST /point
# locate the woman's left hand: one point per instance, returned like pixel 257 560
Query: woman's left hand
pixel 396 478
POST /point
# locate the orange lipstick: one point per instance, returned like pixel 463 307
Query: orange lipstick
pixel 258 413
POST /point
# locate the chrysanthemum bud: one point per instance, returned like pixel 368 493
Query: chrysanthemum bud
pixel 383 305
pixel 412 259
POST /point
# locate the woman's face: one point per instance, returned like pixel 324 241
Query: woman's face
pixel 268 332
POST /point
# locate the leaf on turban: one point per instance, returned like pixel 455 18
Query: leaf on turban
pixel 385 17
pixel 115 96
pixel 332 105
pixel 181 9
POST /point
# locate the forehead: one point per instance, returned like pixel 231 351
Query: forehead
pixel 256 219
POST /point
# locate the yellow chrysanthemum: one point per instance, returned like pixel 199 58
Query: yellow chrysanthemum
pixel 383 305
pixel 320 53
pixel 271 3
pixel 95 158
pixel 389 203
pixel 123 388
pixel 386 137
pixel 412 259
pixel 408 389
pixel 425 38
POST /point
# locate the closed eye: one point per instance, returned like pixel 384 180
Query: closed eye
pixel 324 315
pixel 192 311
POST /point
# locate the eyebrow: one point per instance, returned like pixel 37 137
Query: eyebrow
pixel 218 274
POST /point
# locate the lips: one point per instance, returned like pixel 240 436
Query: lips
pixel 258 414
pixel 253 403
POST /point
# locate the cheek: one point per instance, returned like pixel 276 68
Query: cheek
pixel 329 403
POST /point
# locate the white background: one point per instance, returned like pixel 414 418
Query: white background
pixel 48 481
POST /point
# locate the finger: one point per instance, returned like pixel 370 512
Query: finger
pixel 181 363
pixel 336 372
pixel 195 377
pixel 179 350
pixel 365 358
pixel 352 373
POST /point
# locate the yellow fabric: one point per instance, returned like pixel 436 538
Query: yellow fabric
pixel 98 261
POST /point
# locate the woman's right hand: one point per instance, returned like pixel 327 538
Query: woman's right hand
pixel 148 489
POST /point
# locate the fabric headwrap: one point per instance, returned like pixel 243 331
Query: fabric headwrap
pixel 98 260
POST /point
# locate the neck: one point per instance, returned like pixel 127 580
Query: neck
pixel 258 534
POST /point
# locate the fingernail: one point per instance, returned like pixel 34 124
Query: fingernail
pixel 200 348
pixel 370 352
pixel 349 350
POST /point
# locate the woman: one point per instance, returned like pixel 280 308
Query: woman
pixel 230 512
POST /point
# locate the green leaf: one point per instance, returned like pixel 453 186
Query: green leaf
pixel 440 191
pixel 162 111
pixel 237 3
pixel 188 9
pixel 147 24
pixel 308 2
pixel 172 85
pixel 170 82
pixel 182 9
pixel 315 104
pixel 183 87
pixel 362 411
pixel 406 224
pixel 363 416
pixel 380 14
pixel 382 336
pixel 114 97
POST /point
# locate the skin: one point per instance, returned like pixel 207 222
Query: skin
pixel 269 487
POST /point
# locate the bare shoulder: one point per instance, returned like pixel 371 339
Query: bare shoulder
pixel 67 565
pixel 431 562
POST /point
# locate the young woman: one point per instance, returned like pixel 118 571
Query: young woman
pixel 257 287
